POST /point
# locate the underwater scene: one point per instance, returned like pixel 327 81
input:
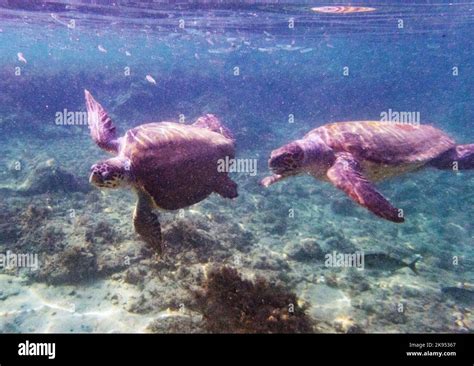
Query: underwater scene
pixel 236 167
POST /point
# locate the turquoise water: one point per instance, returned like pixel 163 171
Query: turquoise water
pixel 271 71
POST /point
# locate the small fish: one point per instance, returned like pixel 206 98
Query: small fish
pixel 56 19
pixel 220 50
pixel 21 58
pixel 460 294
pixel 384 262
pixel 101 49
pixel 288 47
pixel 150 79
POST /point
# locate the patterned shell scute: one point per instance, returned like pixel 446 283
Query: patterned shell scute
pixel 176 163
pixel 384 142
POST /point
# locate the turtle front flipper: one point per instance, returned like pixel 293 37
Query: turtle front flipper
pixel 226 187
pixel 146 222
pixel 101 125
pixel 346 174
pixel 271 179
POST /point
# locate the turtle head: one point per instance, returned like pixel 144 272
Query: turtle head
pixel 111 173
pixel 287 160
pixel 300 156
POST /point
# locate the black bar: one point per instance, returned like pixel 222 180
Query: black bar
pixel 124 347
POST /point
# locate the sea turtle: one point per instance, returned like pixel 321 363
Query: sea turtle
pixel 169 165
pixel 351 155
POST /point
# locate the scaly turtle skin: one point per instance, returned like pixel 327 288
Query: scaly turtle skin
pixel 351 155
pixel 169 165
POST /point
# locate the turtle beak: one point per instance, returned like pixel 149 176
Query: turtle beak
pixel 95 179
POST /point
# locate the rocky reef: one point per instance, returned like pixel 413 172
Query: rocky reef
pixel 231 304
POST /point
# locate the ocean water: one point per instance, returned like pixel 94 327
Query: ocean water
pixel 271 71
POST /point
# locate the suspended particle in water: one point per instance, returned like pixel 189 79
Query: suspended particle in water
pixel 71 24
pixel 150 79
pixel 21 57
pixel 101 49
pixel 127 53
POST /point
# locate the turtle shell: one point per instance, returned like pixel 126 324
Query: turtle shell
pixel 176 164
pixel 385 143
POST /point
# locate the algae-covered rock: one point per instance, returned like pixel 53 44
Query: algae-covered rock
pixel 49 177
pixel 305 250
pixel 76 264
pixel 231 304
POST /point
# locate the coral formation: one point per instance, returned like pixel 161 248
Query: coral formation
pixel 101 232
pixel 75 264
pixel 231 304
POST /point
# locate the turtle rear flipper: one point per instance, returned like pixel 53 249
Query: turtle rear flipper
pixel 101 125
pixel 146 222
pixel 461 157
pixel 211 122
pixel 226 187
pixel 346 174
